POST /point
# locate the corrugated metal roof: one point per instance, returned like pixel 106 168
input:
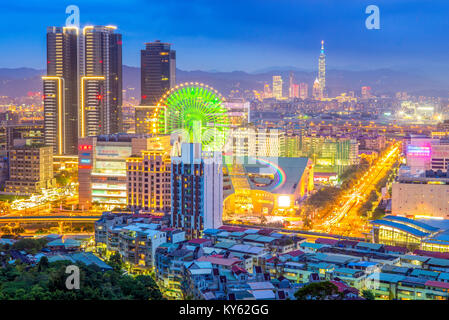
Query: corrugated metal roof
pixel 401 227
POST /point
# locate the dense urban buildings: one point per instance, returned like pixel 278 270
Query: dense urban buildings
pixel 290 182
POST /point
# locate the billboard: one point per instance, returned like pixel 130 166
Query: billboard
pixel 113 152
pixel 416 151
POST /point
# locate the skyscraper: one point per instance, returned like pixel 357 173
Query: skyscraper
pixel 277 87
pixel 158 71
pixel 196 189
pixel 290 86
pixel 267 91
pixel 101 81
pixel 295 91
pixel 61 90
pixel 366 92
pixel 322 70
pixel 316 89
pixel 303 90
pixel 83 85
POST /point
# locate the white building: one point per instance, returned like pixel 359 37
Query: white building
pixel 197 189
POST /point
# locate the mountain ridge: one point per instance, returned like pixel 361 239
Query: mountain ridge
pixel 17 82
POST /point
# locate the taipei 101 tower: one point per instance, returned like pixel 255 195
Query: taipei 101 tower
pixel 322 70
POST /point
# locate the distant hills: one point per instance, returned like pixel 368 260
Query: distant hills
pixel 18 82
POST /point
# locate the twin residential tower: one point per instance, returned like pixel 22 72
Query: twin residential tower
pixel 83 85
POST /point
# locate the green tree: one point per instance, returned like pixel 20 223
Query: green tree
pixel 368 294
pixel 115 261
pixel 325 290
pixel 43 264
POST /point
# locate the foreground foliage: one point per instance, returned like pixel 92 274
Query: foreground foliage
pixel 46 281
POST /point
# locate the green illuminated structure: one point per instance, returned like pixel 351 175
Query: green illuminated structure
pixel 196 112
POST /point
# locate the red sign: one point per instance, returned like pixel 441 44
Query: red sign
pixel 85 147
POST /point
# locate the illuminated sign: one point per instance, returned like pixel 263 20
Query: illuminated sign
pixel 85 147
pixel 85 160
pixel 418 151
pixel 114 152
pixel 284 201
pixel 84 167
pixel 324 162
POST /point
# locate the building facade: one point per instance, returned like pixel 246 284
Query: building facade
pixel 277 87
pixel 30 169
pixel 158 71
pixel 101 81
pixel 83 85
pixel 322 71
pixel 421 196
pixel 148 181
pixel 60 90
pixel 102 168
pixel 197 190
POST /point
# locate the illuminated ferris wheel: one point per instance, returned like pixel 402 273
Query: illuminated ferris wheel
pixel 196 112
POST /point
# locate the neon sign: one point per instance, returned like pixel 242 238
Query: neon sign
pixel 418 151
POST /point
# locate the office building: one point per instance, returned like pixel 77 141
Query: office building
pixel 277 87
pixel 158 71
pixel 295 91
pixel 330 154
pixel 267 93
pixel 322 71
pixel 303 90
pixel 366 92
pixel 422 195
pixel 197 189
pixel 424 153
pixel 238 112
pixel 31 132
pixel 148 181
pixel 102 168
pixel 146 119
pixel 291 87
pixel 30 168
pixel 316 90
pixel 254 142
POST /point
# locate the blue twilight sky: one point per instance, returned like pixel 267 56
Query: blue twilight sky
pixel 247 35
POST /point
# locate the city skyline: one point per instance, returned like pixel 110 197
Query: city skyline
pixel 401 42
pixel 125 178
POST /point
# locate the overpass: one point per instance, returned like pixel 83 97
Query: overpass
pixel 18 219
